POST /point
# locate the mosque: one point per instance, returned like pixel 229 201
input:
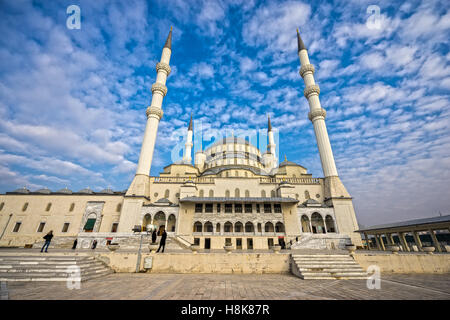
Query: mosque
pixel 233 194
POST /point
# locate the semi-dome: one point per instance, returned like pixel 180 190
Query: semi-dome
pixel 233 151
pixel 65 190
pixel 44 191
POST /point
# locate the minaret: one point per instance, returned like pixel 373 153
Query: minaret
pixel 317 113
pixel 335 194
pixel 272 146
pixel 187 158
pixel 154 114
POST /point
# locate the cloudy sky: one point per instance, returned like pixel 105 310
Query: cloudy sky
pixel 72 102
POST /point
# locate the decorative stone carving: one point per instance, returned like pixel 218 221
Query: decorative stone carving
pixel 306 68
pixel 164 67
pixel 93 208
pixel 317 113
pixel 311 90
pixel 159 87
pixel 154 110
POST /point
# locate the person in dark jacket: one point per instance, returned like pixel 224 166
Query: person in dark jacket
pixel 75 244
pixel 162 243
pixel 48 237
pixel 94 244
pixel 154 235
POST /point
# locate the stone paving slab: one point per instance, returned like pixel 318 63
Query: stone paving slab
pixel 235 287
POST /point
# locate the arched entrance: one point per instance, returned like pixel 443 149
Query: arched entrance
pixel 329 222
pixel 305 224
pixel 171 223
pixel 147 220
pixel 160 222
pixel 317 223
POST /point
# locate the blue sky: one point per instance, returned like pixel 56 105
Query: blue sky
pixel 72 102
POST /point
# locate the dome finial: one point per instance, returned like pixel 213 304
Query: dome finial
pixel 285 158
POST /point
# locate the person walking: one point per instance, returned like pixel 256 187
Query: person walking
pixel 74 246
pixel 94 244
pixel 48 238
pixel 162 242
pixel 154 235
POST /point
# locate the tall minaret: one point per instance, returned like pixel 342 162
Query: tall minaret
pixel 335 194
pixel 154 114
pixel 317 113
pixel 187 158
pixel 272 146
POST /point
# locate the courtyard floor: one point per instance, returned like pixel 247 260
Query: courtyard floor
pixel 232 287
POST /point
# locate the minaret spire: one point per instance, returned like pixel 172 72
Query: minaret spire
pixel 168 43
pixel 269 125
pixel 317 113
pixel 301 45
pixel 187 158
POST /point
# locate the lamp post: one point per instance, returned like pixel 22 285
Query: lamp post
pixel 149 228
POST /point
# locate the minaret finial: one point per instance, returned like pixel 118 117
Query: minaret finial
pixel 285 158
pixel 169 40
pixel 301 45
pixel 269 125
pixel 190 124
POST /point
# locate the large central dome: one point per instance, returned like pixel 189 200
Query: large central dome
pixel 233 151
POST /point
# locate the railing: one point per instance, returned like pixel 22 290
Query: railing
pixel 182 179
pixel 290 180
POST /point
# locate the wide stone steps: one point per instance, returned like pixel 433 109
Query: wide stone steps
pixel 50 268
pixel 322 266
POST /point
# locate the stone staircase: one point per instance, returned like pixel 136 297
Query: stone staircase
pixel 50 267
pixel 326 266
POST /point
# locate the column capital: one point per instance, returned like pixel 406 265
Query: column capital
pixel 164 67
pixel 312 115
pixel 159 87
pixel 310 90
pixel 306 68
pixel 154 110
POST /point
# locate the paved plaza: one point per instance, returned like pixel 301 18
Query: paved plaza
pixel 232 287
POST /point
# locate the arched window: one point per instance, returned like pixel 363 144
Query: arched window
pixel 211 193
pixel 198 226
pixel 247 193
pixel 49 205
pixel 25 206
pixel 208 227
pixel 307 196
pixel 166 194
pixel 119 207
pixel 201 193
pixel 329 222
pixel 227 193
pixel 238 227
pixel 279 227
pixel 237 193
pixel 218 227
pixel 272 194
pixel 228 227
pixel 72 206
pixel 249 227
pixel 268 227
pixel 1 206
pixel 259 227
pixel 263 193
pixel 171 223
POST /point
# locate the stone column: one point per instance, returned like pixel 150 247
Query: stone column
pixel 367 241
pixel 435 240
pixel 377 242
pixel 417 240
pixel 403 241
pixel 389 238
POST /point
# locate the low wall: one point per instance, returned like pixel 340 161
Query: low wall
pixel 223 263
pixel 405 263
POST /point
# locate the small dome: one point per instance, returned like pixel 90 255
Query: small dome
pixel 22 190
pixel 65 190
pixel 107 191
pixel 163 200
pixel 44 191
pixel 86 190
pixel 288 163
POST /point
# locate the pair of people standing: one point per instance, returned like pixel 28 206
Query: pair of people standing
pixel 162 242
